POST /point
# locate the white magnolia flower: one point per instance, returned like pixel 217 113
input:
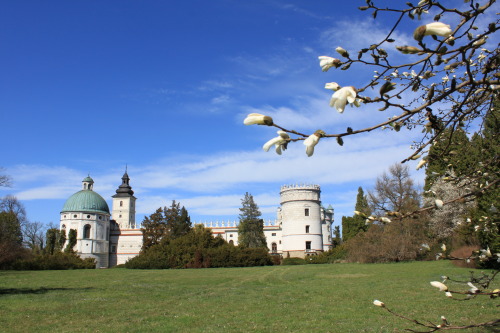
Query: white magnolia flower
pixel 426 246
pixel 476 228
pixel 332 86
pixel 280 142
pixel 378 303
pixel 312 141
pixel 342 51
pixel 438 203
pixel 258 119
pixel 385 219
pixel 421 163
pixel 343 96
pixel 473 289
pixel 441 286
pixel 443 247
pixel 328 62
pixel 486 252
pixel 448 294
pixel 434 28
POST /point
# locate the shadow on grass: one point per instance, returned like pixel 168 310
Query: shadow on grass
pixel 42 290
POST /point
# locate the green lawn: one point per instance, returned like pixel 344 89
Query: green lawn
pixel 308 298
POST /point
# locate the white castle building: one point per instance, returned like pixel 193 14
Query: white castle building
pixel 302 227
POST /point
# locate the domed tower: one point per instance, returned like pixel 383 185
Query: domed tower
pixel 301 220
pixel 88 213
pixel 124 204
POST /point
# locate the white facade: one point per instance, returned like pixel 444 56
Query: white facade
pixel 87 213
pixel 302 227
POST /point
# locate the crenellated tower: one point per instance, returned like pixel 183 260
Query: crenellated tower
pixel 303 220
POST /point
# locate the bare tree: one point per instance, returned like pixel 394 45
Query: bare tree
pixel 5 180
pixel 11 204
pixel 394 192
pixel 34 235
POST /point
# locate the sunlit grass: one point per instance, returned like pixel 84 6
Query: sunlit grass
pixel 309 298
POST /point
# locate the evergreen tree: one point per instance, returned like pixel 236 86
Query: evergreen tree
pixel 250 228
pixel 249 209
pixel 336 236
pixel 165 224
pixel 487 213
pixel 452 151
pixel 178 220
pixel 10 228
pixel 72 234
pixel 54 241
pixel 153 229
pixel 351 226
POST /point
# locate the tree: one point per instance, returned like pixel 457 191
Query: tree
pixel 165 224
pixel 394 192
pixel 153 229
pixel 55 240
pixel 178 220
pixel 337 240
pixel 5 180
pixel 10 228
pixel 441 84
pixel 250 227
pixel 445 80
pixel 351 226
pixel 451 151
pixel 11 204
pixel 33 235
pixel 249 209
pixel 72 234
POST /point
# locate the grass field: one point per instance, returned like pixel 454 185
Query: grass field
pixel 308 298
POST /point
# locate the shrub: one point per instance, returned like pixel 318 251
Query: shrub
pixel 396 241
pixel 293 261
pixel 58 260
pixel 199 249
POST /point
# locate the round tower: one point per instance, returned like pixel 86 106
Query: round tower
pixel 87 213
pixel 301 220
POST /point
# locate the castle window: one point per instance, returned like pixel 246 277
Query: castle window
pixel 306 212
pixel 307 229
pixel 86 231
pixel 231 242
pixel 74 216
pixel 273 234
pixel 88 216
pixel 113 248
pixel 120 216
pixel 121 203
pixel 63 226
pixel 100 217
pixel 231 235
pixel 308 245
pixel 274 248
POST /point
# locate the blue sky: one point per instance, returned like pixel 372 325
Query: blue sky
pixel 88 87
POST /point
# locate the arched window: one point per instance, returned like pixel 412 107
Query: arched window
pixel 231 242
pixel 274 248
pixel 86 231
pixel 121 203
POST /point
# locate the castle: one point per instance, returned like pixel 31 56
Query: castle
pixel 302 227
